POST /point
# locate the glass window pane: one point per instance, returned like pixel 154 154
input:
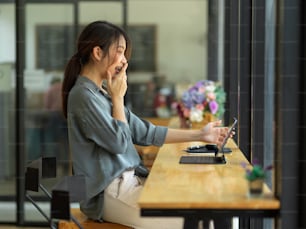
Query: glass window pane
pixel 7 113
pixel 170 51
pixel 45 126
pixel 176 47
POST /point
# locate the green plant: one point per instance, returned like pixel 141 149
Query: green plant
pixel 256 171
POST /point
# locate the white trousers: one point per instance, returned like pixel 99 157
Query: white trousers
pixel 120 205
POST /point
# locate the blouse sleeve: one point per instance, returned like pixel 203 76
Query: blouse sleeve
pixel 145 133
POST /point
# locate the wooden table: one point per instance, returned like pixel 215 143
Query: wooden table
pixel 197 191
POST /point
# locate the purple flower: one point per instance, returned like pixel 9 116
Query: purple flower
pixel 243 164
pixel 269 167
pixel 255 161
pixel 198 98
pixel 213 106
pixel 187 100
pixel 199 84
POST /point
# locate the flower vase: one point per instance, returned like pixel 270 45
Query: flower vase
pixel 208 117
pixel 198 125
pixel 256 187
pixel 185 123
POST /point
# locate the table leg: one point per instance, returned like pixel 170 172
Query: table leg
pixel 222 223
pixel 244 223
pixel 191 223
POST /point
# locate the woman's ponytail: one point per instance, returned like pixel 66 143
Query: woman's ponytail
pixel 72 71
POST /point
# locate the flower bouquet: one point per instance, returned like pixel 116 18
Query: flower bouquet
pixel 204 100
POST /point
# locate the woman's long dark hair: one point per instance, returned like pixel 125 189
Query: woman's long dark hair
pixel 98 33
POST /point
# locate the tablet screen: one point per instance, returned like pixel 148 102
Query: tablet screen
pixel 228 134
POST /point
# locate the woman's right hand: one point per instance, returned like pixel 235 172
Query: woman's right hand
pixel 116 87
pixel 117 82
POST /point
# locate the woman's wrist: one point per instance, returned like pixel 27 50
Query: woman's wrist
pixel 118 100
pixel 118 109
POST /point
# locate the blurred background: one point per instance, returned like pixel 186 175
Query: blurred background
pixel 255 49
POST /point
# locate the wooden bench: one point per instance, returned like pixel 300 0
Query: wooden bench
pixel 87 223
pixel 148 153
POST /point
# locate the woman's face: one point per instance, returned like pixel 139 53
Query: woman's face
pixel 116 56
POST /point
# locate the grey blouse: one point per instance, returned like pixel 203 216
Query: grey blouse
pixel 102 147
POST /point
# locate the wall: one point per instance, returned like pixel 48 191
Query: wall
pixel 181 31
pixel 7 31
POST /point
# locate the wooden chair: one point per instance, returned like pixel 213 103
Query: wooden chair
pixel 87 223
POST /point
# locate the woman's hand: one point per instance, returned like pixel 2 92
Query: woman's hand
pixel 116 87
pixel 117 83
pixel 214 133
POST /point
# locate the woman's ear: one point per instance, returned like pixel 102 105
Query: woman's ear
pixel 97 53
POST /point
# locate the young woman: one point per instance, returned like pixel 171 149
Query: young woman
pixel 102 131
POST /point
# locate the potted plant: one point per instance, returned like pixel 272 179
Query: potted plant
pixel 255 175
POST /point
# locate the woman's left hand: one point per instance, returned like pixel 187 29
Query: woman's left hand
pixel 214 133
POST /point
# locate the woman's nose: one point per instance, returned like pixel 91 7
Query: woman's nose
pixel 124 60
